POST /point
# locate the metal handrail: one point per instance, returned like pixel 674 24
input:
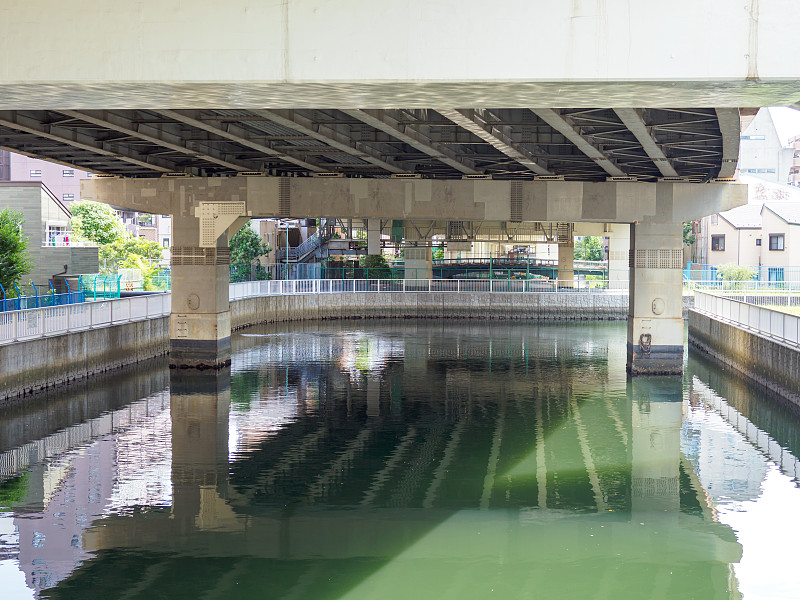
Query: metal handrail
pixel 768 322
pixel 313 242
pixel 29 324
pixel 249 289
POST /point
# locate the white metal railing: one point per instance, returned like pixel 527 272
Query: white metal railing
pixel 22 325
pixel 249 289
pixel 739 287
pixel 775 324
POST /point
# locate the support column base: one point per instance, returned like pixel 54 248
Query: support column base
pixel 660 360
pixel 199 354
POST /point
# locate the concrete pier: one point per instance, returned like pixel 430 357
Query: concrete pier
pixel 200 323
pixel 655 310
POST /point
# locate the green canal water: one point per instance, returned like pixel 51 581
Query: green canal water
pixel 403 460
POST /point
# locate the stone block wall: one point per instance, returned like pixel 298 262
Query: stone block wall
pixel 770 363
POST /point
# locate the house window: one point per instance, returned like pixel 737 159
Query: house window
pixel 57 235
pixel 775 273
pixel 776 241
pixel 68 197
pixel 758 241
pixel 714 219
pixel 718 242
pixel 165 242
pixel 68 173
pixel 36 172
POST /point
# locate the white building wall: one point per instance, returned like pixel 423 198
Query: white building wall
pixel 731 252
pixel 762 152
pixel 790 255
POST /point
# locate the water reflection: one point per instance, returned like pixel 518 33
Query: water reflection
pixel 409 459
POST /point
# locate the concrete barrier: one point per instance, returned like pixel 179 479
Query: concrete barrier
pixel 26 367
pixel 770 363
pixel 562 306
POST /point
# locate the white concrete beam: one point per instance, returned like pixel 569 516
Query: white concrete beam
pixel 154 135
pixel 475 122
pixel 632 119
pixel 145 54
pixel 730 127
pixel 560 124
pixel 66 135
pixel 413 138
pixel 239 135
pixel 331 137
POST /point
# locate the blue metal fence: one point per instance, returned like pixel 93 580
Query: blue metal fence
pixel 23 301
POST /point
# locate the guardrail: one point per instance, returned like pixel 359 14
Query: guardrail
pixel 247 289
pixel 781 326
pixel 23 325
pixel 760 287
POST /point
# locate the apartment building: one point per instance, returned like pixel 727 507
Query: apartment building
pixel 765 236
pixel 64 184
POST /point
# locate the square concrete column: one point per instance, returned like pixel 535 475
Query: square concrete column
pixel 619 245
pixel 199 409
pixel 566 264
pixel 373 237
pixel 655 447
pixel 418 263
pixel 200 322
pixel 655 311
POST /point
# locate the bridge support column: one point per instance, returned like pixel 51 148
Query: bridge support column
pixel 199 407
pixel 619 245
pixel 418 263
pixel 655 310
pixel 655 448
pixel 373 237
pixel 566 264
pixel 200 322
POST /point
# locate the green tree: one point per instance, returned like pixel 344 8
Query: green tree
pixel 96 222
pixel 113 255
pixel 689 237
pixel 15 260
pixel 128 252
pixel 438 253
pixel 589 248
pixel 246 246
pixel 376 265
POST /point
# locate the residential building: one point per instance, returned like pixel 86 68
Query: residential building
pixel 64 183
pixel 764 236
pixel 780 248
pixel 735 236
pixel 47 227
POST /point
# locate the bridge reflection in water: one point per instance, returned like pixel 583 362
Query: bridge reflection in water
pixel 399 460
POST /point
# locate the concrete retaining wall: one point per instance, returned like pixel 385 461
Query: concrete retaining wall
pixel 765 361
pixel 565 306
pixel 26 367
